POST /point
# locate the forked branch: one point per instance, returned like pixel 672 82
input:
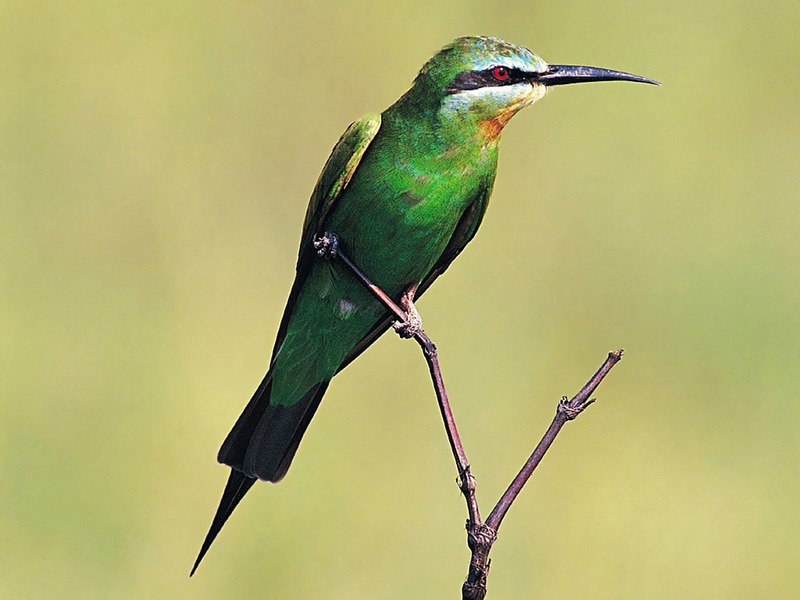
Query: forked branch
pixel 480 535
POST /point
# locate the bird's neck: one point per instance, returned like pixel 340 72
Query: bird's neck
pixel 443 127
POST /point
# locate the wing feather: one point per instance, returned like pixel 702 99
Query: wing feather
pixel 264 438
pixel 336 174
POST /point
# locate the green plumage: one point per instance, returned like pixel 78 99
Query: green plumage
pixel 405 191
pixel 394 219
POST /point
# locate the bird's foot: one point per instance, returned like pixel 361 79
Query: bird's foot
pixel 412 324
pixel 326 245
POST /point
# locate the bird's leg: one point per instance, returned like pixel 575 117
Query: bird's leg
pixel 466 479
pixel 412 324
pixel 326 245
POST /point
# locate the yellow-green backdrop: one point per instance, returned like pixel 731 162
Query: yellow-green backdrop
pixel 155 162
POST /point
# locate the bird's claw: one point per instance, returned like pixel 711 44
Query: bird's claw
pixel 412 324
pixel 326 245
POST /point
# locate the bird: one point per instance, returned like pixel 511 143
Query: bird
pixel 404 191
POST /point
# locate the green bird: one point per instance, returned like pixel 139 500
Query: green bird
pixel 405 192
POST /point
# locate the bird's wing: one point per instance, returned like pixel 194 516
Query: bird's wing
pixel 336 174
pixel 238 449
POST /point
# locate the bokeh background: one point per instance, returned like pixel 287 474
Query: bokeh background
pixel 155 163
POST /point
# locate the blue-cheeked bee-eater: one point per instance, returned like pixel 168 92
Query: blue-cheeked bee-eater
pixel 404 191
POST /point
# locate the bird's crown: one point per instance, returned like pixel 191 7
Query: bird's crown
pixel 474 62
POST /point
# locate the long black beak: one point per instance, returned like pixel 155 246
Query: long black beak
pixel 564 74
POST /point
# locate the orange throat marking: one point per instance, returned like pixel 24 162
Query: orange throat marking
pixel 493 127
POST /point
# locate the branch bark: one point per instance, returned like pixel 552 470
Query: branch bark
pixel 481 536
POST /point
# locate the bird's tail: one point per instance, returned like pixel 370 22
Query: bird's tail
pixel 261 445
pixel 237 486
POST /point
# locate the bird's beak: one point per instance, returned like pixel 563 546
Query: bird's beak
pixel 564 74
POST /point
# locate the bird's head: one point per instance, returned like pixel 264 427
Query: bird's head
pixel 487 81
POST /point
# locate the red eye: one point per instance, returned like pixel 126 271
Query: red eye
pixel 501 73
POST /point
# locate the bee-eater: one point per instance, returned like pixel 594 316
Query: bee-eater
pixel 405 191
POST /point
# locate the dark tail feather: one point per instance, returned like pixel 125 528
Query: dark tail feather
pixel 277 435
pixel 265 437
pixel 261 445
pixel 237 442
pixel 237 486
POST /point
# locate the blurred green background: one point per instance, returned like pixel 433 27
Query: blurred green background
pixel 155 163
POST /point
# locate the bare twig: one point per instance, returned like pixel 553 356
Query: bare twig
pixel 480 536
pixel 566 411
pixel 466 479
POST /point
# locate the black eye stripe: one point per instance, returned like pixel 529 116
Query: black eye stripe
pixel 473 80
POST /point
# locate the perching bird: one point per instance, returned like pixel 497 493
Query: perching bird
pixel 405 191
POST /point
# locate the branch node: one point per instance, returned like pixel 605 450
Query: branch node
pixel 480 535
pixel 428 347
pixel 475 590
pixel 572 408
pixel 466 482
pixel 480 539
pixel 410 327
